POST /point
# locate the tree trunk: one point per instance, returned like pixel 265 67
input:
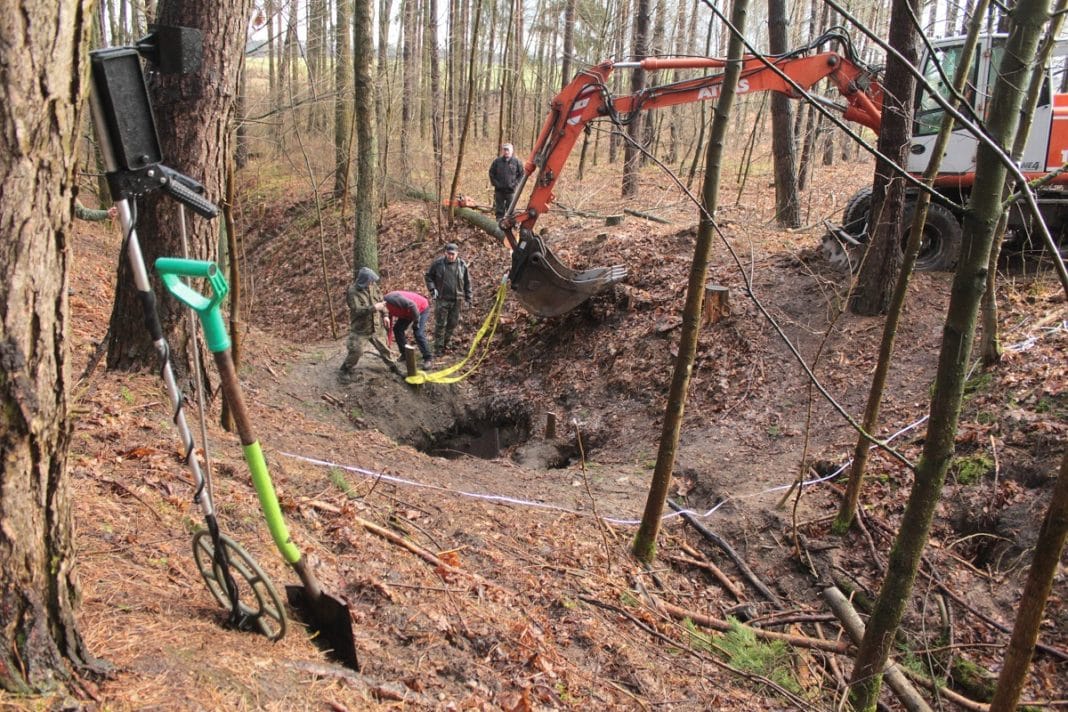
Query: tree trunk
pixel 787 204
pixel 365 240
pixel 315 61
pixel 492 67
pixel 408 69
pixel 468 110
pixel 631 154
pixel 44 76
pixel 882 262
pixel 990 342
pixel 272 77
pixel 569 42
pixel 505 94
pixel 343 99
pixel 882 369
pixel 651 124
pixel 958 335
pixel 382 111
pixel 193 114
pixel 436 108
pixel 644 546
pixel 1048 548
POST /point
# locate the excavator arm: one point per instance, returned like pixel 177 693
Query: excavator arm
pixel 544 285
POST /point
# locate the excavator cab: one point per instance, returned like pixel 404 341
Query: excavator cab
pixel 545 286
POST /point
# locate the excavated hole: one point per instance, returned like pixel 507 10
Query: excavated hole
pixel 485 431
pixel 503 428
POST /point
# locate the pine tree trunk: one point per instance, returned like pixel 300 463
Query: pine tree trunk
pixel 365 240
pixel 44 73
pixel 408 69
pixel 382 96
pixel 851 499
pixel 569 42
pixel 787 203
pixel 468 110
pixel 343 89
pixel 193 114
pixel 272 76
pixel 882 262
pixel 639 49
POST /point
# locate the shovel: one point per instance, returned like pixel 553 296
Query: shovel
pixel 327 615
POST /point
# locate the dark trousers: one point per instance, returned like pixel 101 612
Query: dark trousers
pixel 501 198
pixel 401 325
pixel 446 318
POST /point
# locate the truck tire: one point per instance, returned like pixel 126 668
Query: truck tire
pixel 940 247
pixel 855 215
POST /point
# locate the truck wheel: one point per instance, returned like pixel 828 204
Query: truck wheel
pixel 940 246
pixel 855 215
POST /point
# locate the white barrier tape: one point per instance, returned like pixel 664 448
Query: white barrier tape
pixel 504 499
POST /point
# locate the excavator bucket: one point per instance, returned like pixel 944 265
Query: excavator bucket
pixel 545 286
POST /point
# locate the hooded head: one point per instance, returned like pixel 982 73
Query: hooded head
pixel 365 278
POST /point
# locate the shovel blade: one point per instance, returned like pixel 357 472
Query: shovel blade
pixel 547 287
pixel 329 619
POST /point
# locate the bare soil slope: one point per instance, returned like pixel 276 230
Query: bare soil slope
pixel 496 587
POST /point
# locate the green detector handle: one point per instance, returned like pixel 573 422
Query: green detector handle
pixel 172 269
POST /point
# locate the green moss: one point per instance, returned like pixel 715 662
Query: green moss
pixel 979 382
pixel 340 481
pixel 972 469
pixel 772 659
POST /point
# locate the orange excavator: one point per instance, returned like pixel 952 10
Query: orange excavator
pixel 540 281
pixel 547 287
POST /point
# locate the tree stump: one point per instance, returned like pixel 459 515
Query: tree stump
pixel 409 359
pixel 717 304
pixel 550 425
pixel 613 220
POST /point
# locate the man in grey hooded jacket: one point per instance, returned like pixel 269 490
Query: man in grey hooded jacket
pixel 365 324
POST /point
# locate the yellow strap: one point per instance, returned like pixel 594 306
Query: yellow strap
pixel 486 331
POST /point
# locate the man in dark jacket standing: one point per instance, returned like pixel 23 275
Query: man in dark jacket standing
pixel 504 173
pixel 447 281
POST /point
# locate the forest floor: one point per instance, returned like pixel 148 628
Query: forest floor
pixel 509 584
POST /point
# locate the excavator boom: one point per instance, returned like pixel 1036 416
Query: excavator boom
pixel 540 281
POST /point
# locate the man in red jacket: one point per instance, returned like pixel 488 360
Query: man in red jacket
pixel 409 309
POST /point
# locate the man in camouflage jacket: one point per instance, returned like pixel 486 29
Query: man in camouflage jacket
pixel 364 322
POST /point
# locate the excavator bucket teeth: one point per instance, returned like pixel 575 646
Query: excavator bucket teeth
pixel 545 286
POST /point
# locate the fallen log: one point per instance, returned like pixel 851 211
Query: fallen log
pixel 895 679
pixel 729 551
pixel 700 619
pixel 646 216
pixel 473 217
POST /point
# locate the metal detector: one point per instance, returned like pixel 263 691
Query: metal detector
pixel 126 132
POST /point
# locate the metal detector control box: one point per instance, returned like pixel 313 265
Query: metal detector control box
pixel 127 129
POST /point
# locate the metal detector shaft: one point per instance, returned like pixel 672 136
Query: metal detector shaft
pixel 140 171
pixel 325 612
pixel 151 317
